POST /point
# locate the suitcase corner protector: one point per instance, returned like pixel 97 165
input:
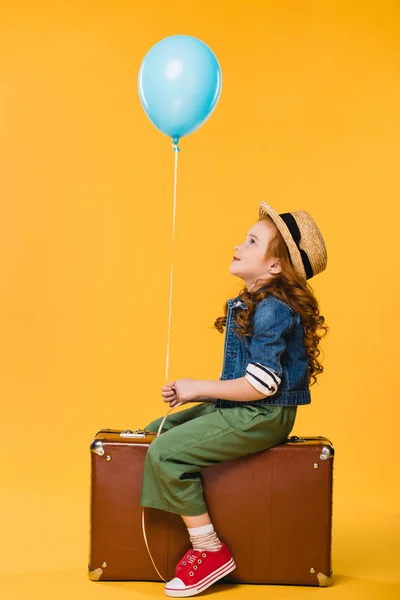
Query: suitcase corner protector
pixel 94 574
pixel 327 452
pixel 96 447
pixel 324 580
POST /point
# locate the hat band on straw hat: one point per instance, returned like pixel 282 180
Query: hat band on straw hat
pixel 295 232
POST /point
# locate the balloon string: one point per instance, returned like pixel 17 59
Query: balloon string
pixel 176 152
pixel 143 521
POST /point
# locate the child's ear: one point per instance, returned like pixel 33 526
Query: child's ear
pixel 276 266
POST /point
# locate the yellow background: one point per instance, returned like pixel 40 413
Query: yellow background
pixel 308 119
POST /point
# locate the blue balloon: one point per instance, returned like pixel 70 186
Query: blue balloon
pixel 179 84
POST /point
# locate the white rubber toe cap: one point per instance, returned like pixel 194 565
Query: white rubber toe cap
pixel 176 583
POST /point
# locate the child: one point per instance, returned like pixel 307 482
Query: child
pixel 270 357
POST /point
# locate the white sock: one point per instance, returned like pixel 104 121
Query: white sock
pixel 204 538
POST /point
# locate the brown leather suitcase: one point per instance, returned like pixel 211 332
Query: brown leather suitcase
pixel 273 509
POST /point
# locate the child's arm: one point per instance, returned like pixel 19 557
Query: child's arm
pixel 239 390
pixel 206 398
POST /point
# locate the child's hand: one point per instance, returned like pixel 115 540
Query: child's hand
pixel 169 394
pixel 180 391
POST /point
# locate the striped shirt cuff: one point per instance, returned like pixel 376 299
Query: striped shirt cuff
pixel 262 378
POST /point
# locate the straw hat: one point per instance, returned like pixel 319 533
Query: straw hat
pixel 303 238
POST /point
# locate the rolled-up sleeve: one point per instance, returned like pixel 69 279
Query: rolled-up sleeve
pixel 272 321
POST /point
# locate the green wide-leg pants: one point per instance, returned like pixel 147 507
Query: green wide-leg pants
pixel 201 436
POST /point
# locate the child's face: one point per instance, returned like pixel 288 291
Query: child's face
pixel 253 264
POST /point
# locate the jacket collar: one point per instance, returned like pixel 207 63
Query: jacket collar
pixel 236 302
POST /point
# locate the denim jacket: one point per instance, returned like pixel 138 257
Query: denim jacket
pixel 274 359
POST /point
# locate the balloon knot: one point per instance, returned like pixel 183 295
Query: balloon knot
pixel 174 144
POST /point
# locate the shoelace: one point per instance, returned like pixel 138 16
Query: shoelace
pixel 192 558
pixel 188 562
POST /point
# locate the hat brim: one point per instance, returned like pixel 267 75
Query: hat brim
pixel 267 210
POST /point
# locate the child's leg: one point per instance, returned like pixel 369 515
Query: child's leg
pixel 177 417
pixel 171 479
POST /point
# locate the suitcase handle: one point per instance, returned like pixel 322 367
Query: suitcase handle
pixel 127 433
pixel 137 433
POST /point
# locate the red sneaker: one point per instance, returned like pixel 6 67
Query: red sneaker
pixel 197 570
